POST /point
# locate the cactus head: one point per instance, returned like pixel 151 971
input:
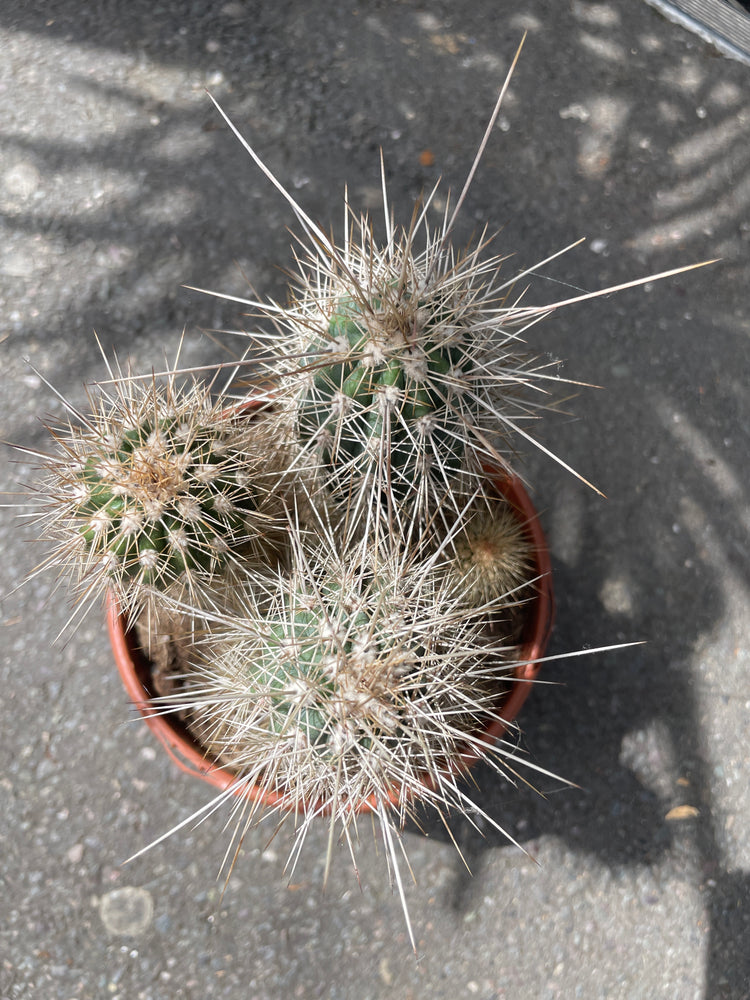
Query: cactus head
pixel 157 489
pixel 489 555
pixel 381 409
pixel 415 375
pixel 362 683
pixel 313 680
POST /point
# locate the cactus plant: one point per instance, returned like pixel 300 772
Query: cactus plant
pixel 488 556
pixel 414 373
pixel 341 662
pixel 356 679
pixel 157 489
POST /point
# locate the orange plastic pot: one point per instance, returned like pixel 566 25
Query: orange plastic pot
pixel 136 670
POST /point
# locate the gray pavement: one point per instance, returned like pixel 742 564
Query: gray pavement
pixel 118 183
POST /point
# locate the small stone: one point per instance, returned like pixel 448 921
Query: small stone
pixel 615 594
pixel 129 910
pixel 385 972
pixel 681 812
pixel 578 111
pixel 22 180
pixel 74 853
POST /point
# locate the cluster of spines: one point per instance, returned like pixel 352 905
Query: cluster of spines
pixel 413 368
pixel 157 489
pixel 351 682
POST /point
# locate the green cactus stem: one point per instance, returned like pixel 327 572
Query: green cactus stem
pixel 383 404
pixel 364 680
pixel 160 487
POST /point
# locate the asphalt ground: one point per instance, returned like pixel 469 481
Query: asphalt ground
pixel 119 184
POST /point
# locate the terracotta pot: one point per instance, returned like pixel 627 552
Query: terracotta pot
pixel 135 669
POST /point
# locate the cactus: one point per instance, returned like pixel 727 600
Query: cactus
pixel 158 489
pixel 488 556
pixel 388 390
pixel 357 680
pixel 403 362
pixel 413 368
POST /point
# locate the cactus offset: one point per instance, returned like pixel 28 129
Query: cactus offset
pixel 489 554
pixel 158 488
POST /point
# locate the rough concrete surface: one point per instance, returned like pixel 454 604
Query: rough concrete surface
pixel 118 185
